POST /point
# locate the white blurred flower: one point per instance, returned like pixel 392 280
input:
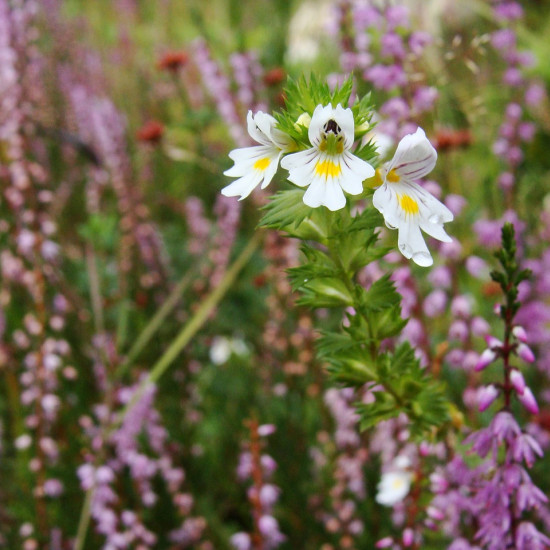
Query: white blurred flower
pixel 222 348
pixel 394 485
pixel 328 168
pixel 257 164
pixel 405 205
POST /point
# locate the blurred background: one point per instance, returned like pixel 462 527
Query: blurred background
pixel 116 118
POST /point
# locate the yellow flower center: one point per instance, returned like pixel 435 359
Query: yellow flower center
pixel 262 164
pixel 328 169
pixel 397 483
pixel 407 204
pixel 392 176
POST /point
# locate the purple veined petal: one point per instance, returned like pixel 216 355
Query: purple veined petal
pixel 254 130
pixel 415 157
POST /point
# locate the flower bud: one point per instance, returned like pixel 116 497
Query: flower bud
pixel 519 333
pixel 485 359
pixel 408 537
pixel 486 396
pixel 386 542
pixel 528 400
pixel 516 379
pixel 525 353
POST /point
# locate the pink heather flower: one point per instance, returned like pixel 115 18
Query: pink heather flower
pixel 53 487
pixel 435 513
pixel 529 538
pixel 268 464
pixel 269 528
pixel 517 380
pixel 386 542
pixel 461 306
pixel 504 427
pixel 269 494
pixel 508 11
pixel 440 277
pixel 477 267
pixel 434 304
pixel 424 98
pixel 408 537
pixel 485 359
pixel 506 180
pixel 455 203
pixel 266 429
pixel 241 541
pixel 458 330
pixel 527 399
pixel 397 16
pixel 486 396
pixel 525 447
pixel 479 327
pixel 534 95
pixel 519 333
pixel 418 41
pixel 524 351
pixel 391 44
pixel 504 39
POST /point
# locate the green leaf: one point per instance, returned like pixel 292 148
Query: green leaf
pixel 380 295
pixel 325 292
pixel 286 209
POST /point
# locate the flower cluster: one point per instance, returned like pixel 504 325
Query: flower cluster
pixel 262 495
pixel 328 169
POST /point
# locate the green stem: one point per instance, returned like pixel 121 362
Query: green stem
pixel 155 323
pixel 84 520
pixel 350 285
pixel 159 368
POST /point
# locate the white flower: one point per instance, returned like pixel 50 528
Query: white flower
pixel 328 168
pixel 395 485
pixel 256 164
pixel 407 206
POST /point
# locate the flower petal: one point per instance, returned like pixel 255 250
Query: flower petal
pixel 271 170
pixel 246 157
pixel 354 171
pixel 412 244
pixel 243 186
pixel 301 166
pixel 325 192
pixel 256 133
pixel 415 157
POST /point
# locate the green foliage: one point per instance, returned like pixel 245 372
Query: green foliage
pixel 339 246
pixel 511 275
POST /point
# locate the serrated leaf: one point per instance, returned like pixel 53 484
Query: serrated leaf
pixel 380 295
pixel 286 209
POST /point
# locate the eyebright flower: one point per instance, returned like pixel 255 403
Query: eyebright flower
pixel 407 206
pixel 257 164
pixel 328 168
